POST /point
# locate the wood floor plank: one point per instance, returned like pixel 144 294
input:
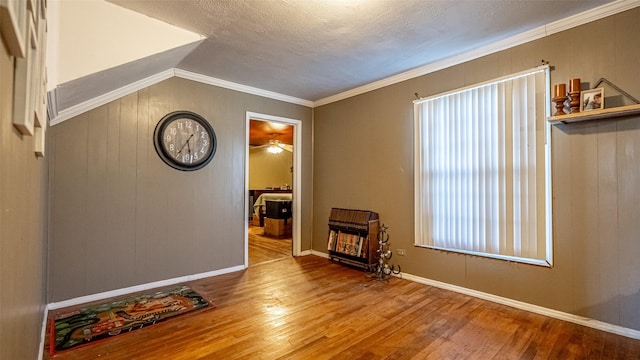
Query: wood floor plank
pixel 265 248
pixel 311 308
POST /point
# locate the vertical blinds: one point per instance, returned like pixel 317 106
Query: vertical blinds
pixel 481 168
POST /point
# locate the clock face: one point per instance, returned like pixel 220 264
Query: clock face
pixel 185 140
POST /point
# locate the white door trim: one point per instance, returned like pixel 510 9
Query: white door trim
pixel 297 178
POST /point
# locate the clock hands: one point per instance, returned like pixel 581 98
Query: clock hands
pixel 186 143
pixel 189 148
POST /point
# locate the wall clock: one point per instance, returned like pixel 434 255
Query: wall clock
pixel 185 140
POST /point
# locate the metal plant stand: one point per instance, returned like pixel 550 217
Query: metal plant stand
pixel 383 270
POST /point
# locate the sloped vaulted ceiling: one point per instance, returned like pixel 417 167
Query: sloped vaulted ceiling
pixel 312 50
pixel 91 86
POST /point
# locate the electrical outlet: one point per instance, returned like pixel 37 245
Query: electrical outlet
pixel 402 252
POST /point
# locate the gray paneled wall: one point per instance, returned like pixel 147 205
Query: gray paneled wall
pixel 121 217
pixel 596 176
pixel 23 230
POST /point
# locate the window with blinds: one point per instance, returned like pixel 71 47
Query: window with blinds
pixel 482 169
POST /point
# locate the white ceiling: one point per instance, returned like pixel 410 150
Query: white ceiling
pixel 319 50
pixel 312 49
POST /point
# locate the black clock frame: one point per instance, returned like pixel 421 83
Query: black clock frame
pixel 169 160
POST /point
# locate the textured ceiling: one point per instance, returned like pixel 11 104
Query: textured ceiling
pixel 261 132
pixel 312 49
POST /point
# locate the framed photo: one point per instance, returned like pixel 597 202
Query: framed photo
pixel 13 26
pixel 592 99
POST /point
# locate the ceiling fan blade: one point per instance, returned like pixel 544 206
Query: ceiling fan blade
pixel 287 147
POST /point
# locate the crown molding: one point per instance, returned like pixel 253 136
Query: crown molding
pixel 239 87
pixel 600 12
pixel 68 113
pixel 594 14
pixel 83 107
pixel 52 105
pixel 519 39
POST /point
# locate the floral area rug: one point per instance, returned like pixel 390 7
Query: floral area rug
pixel 69 329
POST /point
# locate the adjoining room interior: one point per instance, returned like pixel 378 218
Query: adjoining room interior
pixel 464 131
pixel 270 180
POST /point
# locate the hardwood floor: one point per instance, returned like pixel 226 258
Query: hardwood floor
pixel 263 248
pixel 310 308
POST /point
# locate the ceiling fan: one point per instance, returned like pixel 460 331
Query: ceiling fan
pixel 273 136
pixel 275 146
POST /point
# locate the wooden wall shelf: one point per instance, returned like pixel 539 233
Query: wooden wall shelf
pixel 596 114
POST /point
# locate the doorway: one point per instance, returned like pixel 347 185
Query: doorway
pixel 281 136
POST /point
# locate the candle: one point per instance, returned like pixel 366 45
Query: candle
pixel 560 90
pixel 574 85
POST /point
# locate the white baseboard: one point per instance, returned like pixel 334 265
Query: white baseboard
pixel 320 254
pixel 142 287
pixel 124 291
pixel 595 324
pixel 43 333
pixel 580 320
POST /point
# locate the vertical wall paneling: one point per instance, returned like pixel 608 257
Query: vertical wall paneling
pixel 607 237
pixel 563 212
pixel 157 215
pixel 144 149
pixel 182 185
pixel 97 214
pixel 23 230
pixel 628 142
pixel 68 209
pixel 122 217
pixel 584 195
pixel 596 174
pixel 127 165
pixel 627 50
pixel 203 236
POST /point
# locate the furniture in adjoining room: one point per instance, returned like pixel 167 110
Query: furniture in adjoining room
pixel 277 221
pixel 260 205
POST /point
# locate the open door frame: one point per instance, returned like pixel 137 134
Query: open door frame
pixel 297 176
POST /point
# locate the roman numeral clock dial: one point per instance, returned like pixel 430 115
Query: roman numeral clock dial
pixel 185 140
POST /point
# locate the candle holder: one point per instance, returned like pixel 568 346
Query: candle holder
pixel 575 86
pixel 574 101
pixel 559 100
pixel 560 95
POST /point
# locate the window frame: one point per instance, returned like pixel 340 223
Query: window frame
pixel 419 168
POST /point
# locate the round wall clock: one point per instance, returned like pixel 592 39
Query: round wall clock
pixel 185 140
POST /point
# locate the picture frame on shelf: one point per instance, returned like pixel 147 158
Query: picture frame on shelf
pixel 592 99
pixel 13 26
